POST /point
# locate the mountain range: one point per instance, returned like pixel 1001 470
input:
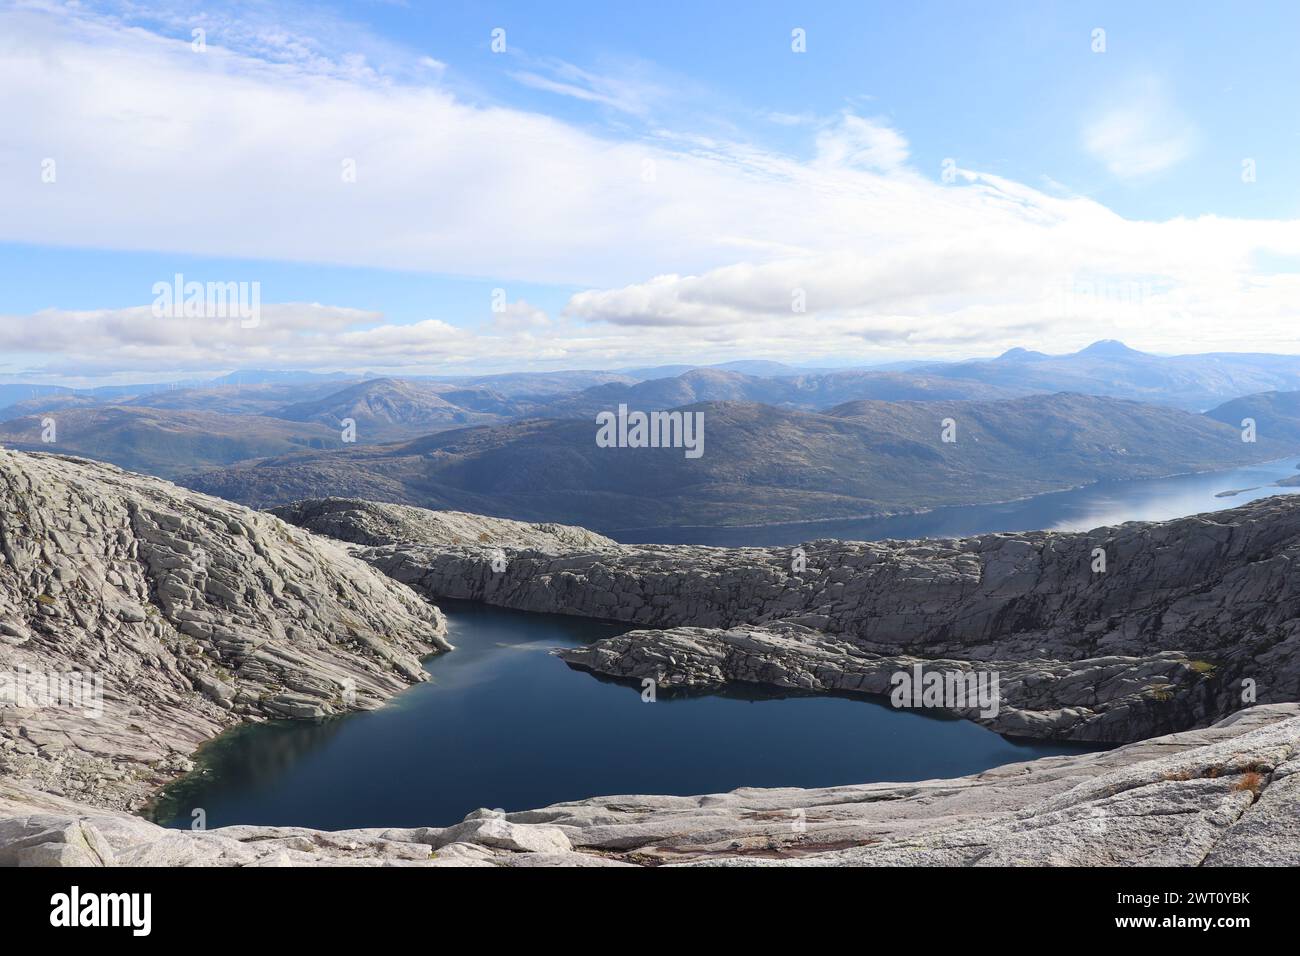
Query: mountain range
pixel 762 464
pixel 784 443
pixel 817 390
pixel 1111 368
pixel 167 443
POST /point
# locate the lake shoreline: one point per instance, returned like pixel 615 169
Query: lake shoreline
pixel 743 734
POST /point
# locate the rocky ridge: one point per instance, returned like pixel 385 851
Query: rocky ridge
pixel 1189 619
pixel 138 619
pixel 374 524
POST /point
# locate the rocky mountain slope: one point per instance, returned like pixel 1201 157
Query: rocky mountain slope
pixel 1189 620
pixel 138 619
pixel 762 464
pixel 1276 414
pixel 1222 796
pixel 388 409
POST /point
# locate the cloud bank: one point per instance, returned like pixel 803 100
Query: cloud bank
pixel 849 250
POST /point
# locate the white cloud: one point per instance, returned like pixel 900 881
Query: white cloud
pixel 858 143
pixel 1142 135
pixel 520 315
pixel 627 94
pixel 234 155
pixel 139 338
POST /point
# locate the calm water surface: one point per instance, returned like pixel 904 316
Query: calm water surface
pixel 504 724
pixel 1104 503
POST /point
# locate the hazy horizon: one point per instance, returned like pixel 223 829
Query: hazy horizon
pixel 793 365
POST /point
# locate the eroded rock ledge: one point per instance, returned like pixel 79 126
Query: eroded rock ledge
pixel 1161 640
pixel 1094 699
pixel 1225 795
pixel 192 612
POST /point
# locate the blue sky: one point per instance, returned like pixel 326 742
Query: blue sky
pixel 999 86
pixel 644 182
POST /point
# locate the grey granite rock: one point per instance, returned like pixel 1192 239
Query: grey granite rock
pixel 374 523
pixel 144 619
pixel 1096 699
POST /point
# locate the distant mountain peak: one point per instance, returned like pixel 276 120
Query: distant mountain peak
pixel 713 373
pixel 1112 348
pixel 1019 354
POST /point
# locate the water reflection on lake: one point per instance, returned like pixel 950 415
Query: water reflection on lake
pixel 1104 503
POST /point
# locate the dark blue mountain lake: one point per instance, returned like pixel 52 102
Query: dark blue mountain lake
pixel 503 724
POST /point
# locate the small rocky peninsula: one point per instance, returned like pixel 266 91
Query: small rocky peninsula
pixel 195 614
pixel 1112 635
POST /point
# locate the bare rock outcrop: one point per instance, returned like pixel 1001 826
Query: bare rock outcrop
pixel 138 619
pixel 374 523
pixel 1148 627
pixel 1095 699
